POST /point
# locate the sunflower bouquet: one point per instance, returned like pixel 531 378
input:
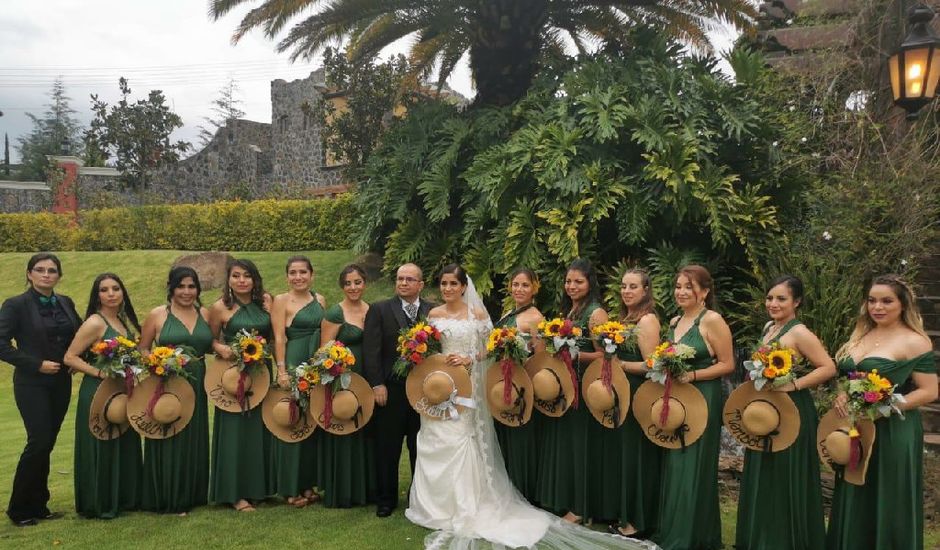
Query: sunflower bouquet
pixel 164 361
pixel 251 350
pixel 414 345
pixel 332 364
pixel 507 346
pixel 303 378
pixel 119 357
pixel 772 364
pixel 561 340
pixel 871 396
pixel 614 336
pixel 670 360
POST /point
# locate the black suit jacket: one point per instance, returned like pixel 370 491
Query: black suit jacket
pixel 20 321
pixel 384 322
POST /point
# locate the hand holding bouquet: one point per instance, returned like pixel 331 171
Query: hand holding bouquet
pixel 772 364
pixel 414 345
pixel 119 357
pixel 507 346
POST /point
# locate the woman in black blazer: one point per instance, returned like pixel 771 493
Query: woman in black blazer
pixel 42 323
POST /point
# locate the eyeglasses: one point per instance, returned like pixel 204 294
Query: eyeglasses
pixel 46 270
pixel 408 280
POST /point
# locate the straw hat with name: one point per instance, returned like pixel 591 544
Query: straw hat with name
pixel 518 410
pixel 834 445
pixel 351 407
pixel 608 406
pixel 221 383
pixel 686 415
pixel 107 415
pixel 171 412
pixel 284 418
pixel 762 420
pixel 431 387
pixel 551 384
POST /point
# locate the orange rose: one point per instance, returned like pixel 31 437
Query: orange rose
pixel 302 385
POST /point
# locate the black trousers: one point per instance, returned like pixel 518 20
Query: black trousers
pixel 42 408
pixel 392 423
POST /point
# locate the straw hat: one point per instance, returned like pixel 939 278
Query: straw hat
pixel 171 413
pixel 277 409
pixel 352 407
pixel 221 385
pixel 430 384
pixel 519 409
pixel 107 416
pixel 762 420
pixel 686 418
pixel 833 443
pixel 551 384
pixel 609 406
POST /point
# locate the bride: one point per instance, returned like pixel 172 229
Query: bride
pixel 460 487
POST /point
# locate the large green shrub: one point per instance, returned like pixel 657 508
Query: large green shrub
pixel 258 225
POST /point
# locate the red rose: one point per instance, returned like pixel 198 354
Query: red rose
pixel 416 358
pixel 411 344
pixel 421 336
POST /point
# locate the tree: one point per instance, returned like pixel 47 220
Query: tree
pixel 505 38
pixel 57 131
pixel 6 154
pixel 226 107
pixel 136 134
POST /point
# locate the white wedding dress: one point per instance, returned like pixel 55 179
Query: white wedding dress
pixel 461 489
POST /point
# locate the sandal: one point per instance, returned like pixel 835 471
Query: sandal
pixel 243 506
pixel 297 502
pixel 311 496
pixel 571 517
pixel 615 529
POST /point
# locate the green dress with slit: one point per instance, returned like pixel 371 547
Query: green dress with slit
pixel 519 445
pixel 780 501
pixel 641 464
pixel 888 511
pixel 566 476
pixel 293 465
pixel 176 470
pixel 241 443
pixel 107 473
pixel 346 463
pixel 688 508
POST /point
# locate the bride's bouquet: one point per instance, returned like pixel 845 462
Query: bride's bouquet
pixel 613 336
pixel 414 345
pixel 507 346
pixel 561 340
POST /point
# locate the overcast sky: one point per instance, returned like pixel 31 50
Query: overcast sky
pixel 171 45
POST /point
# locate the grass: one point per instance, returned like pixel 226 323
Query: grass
pixel 144 273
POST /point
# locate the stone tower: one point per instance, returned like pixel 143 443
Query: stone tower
pixel 295 133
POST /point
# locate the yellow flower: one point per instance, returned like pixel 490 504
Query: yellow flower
pixel 159 370
pixel 336 352
pixel 781 360
pixel 853 432
pixel 350 359
pixel 422 348
pixel 252 351
pixel 328 364
pixel 126 342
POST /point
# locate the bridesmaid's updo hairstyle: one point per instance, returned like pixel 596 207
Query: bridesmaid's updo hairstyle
pixel 36 258
pixel 351 268
pixel 457 271
pixel 533 278
pixel 910 314
pixel 257 287
pixel 298 259
pixel 126 313
pixel 699 275
pixel 586 268
pixel 793 283
pixel 646 305
pixel 175 279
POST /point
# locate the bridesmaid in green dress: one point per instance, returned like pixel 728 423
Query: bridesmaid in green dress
pixel 295 321
pixel 176 470
pixel 574 449
pixel 519 445
pixel 240 442
pixel 107 473
pixel 346 462
pixel 640 459
pixel 888 511
pixel 780 501
pixel 688 510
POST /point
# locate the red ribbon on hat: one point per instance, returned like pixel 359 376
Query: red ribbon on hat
pixel 606 372
pixel 328 406
pixel 157 393
pixel 128 381
pixel 565 356
pixel 240 392
pixel 855 451
pixel 664 413
pixel 507 365
pixel 293 411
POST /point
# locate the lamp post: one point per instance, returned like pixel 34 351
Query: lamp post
pixel 915 68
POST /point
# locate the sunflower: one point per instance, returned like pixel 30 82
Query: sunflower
pixel 251 350
pixel 781 360
pixel 126 342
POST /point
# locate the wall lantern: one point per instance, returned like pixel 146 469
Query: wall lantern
pixel 915 68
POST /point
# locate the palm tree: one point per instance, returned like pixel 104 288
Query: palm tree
pixel 505 38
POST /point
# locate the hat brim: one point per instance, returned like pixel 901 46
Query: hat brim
pixel 830 422
pixel 296 432
pixel 260 384
pixel 778 440
pixel 144 424
pixel 618 384
pixel 696 413
pixel 98 423
pixel 521 413
pixel 414 384
pixel 544 360
pixel 364 394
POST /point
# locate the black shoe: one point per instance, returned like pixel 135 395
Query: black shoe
pixel 383 511
pixel 25 522
pixel 51 516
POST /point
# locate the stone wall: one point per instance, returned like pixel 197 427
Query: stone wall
pixel 24 196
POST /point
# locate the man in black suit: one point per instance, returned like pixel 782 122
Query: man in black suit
pixel 394 418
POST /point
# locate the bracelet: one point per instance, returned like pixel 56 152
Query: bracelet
pixel 281 364
pixel 694 376
pixel 795 387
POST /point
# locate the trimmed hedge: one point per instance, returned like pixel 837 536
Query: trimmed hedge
pixel 323 224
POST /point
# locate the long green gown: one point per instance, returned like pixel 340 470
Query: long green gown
pixel 346 462
pixel 566 476
pixel 293 465
pixel 780 502
pixel 241 443
pixel 888 511
pixel 641 464
pixel 688 507
pixel 176 470
pixel 519 445
pixel 107 473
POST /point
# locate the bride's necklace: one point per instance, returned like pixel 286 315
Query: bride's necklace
pixel 448 314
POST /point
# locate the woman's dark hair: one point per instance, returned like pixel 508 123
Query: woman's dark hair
pixel 126 314
pixel 793 283
pixel 36 258
pixel 533 278
pixel 175 279
pixel 298 258
pixel 701 276
pixel 586 268
pixel 257 287
pixel 646 305
pixel 457 271
pixel 351 268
